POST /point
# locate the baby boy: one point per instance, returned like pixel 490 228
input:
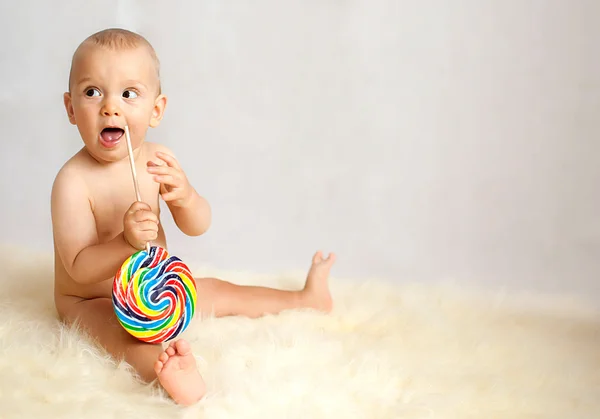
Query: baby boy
pixel 97 222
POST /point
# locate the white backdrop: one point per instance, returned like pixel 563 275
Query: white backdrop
pixel 418 140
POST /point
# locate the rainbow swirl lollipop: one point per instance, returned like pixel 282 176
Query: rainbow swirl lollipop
pixel 154 295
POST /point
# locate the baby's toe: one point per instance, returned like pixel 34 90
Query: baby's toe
pixel 158 366
pixel 163 357
pixel 330 259
pixel 183 347
pixel 170 351
pixel 318 257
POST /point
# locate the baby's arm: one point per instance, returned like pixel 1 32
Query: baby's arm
pixel 75 236
pixel 194 218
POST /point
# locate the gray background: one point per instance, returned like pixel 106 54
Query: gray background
pixel 420 140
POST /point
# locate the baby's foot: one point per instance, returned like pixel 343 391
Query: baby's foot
pixel 177 373
pixel 316 291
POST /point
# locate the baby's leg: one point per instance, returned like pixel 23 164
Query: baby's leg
pixel 221 298
pixel 174 367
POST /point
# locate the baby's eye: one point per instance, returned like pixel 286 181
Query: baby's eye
pixel 91 92
pixel 129 94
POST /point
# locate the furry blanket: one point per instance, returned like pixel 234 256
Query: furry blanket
pixel 409 351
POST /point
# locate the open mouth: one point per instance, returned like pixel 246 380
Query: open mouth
pixel 111 136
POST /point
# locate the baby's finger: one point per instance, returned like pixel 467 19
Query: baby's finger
pixel 139 206
pixel 140 216
pixel 146 226
pixel 170 160
pixel 168 180
pixel 144 237
pixel 149 235
pixel 171 196
pixel 162 170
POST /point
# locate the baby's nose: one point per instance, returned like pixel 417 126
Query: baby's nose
pixel 110 109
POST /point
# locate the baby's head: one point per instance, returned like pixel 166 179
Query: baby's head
pixel 114 81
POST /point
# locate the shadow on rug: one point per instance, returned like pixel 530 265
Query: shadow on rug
pixel 428 351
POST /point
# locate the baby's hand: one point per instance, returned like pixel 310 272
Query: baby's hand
pixel 174 185
pixel 140 225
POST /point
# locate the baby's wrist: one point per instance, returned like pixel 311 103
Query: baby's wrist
pixel 187 202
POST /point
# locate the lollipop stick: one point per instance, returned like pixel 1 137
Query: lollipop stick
pixel 133 173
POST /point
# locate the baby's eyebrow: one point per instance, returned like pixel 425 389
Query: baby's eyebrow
pixel 83 80
pixel 136 82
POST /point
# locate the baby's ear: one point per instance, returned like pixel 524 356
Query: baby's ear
pixel 69 107
pixel 158 111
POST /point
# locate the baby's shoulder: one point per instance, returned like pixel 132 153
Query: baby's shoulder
pixel 70 181
pixel 72 171
pixel 152 148
pixel 71 167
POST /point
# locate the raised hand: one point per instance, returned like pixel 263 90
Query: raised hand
pixel 175 188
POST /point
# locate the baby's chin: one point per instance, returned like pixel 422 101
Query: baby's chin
pixel 105 156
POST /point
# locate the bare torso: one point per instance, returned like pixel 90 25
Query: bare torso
pixel 110 191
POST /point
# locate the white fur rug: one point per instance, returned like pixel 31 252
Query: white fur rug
pixel 385 352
